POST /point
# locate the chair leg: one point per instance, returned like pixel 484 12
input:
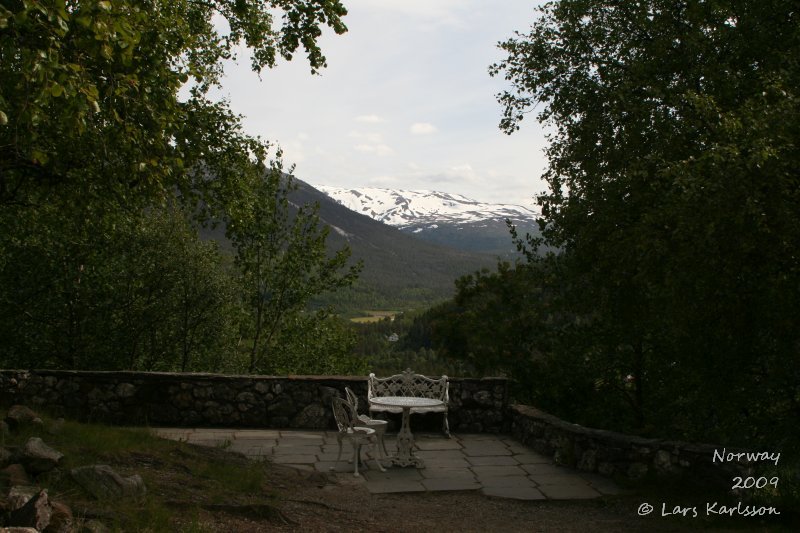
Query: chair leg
pixel 446 426
pixel 381 452
pixel 356 458
pixel 383 444
pixel 378 463
pixel 339 456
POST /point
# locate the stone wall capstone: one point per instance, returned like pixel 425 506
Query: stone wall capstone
pixel 214 400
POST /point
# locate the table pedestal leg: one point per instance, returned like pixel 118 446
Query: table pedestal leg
pixel 405 444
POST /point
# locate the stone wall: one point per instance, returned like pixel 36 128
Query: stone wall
pixel 208 400
pixel 614 454
pixel 476 406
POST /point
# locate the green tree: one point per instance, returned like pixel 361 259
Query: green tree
pixel 316 343
pixel 674 200
pixel 89 92
pixel 98 266
pixel 281 252
pixel 138 293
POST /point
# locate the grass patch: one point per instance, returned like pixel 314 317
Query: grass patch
pixel 183 481
pixel 237 480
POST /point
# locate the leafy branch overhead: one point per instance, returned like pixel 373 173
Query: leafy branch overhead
pixel 112 154
pixel 96 85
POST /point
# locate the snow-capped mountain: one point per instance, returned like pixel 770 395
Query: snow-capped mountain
pixel 440 217
pixel 403 208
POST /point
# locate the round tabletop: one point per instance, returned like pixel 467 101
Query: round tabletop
pixel 405 401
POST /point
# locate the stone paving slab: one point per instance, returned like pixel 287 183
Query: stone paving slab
pixel 498 466
pixel 494 460
pixel 543 469
pixel 467 437
pixel 282 449
pixel 296 435
pixel 392 474
pixel 213 431
pixel 447 444
pixel 332 456
pixel 516 447
pixel 485 448
pixel 506 481
pixel 439 454
pixel 272 434
pixel 458 462
pixel 450 483
pixel 294 459
pixel 333 466
pixel 558 479
pixel 447 473
pixel 569 492
pixel 501 470
pixel 249 449
pixel 284 443
pixel 515 493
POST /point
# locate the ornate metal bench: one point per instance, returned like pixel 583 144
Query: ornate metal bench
pixel 410 384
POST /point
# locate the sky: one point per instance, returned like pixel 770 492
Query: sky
pixel 406 102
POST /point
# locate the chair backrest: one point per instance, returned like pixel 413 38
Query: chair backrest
pixel 343 414
pixel 409 384
pixel 352 398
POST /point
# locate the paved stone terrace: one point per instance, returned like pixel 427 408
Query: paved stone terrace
pixel 496 465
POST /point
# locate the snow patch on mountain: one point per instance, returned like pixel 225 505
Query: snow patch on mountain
pixel 406 208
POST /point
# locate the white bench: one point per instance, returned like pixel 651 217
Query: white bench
pixel 410 384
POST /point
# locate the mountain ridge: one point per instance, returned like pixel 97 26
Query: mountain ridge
pixel 401 271
pixel 441 218
pixel 405 207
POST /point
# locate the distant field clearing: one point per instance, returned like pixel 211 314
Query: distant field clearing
pixel 374 316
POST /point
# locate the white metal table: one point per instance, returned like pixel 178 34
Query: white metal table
pixel 405 439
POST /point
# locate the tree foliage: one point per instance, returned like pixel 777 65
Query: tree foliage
pixel 674 201
pixel 111 155
pixel 91 89
pixel 139 293
pixel 393 344
pixel 284 263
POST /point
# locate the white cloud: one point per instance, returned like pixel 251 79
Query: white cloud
pixel 466 168
pixel 367 136
pixel 382 181
pixel 422 128
pixel 377 149
pixel 369 119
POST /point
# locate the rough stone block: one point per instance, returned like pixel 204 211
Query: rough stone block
pixel 38 457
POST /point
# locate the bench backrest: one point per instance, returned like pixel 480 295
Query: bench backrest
pixel 409 384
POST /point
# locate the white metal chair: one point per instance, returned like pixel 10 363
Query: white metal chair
pixel 344 414
pixel 373 423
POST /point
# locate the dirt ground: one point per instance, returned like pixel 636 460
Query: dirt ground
pixel 316 502
pixel 291 501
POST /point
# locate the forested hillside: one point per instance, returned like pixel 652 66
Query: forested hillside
pixel 400 271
